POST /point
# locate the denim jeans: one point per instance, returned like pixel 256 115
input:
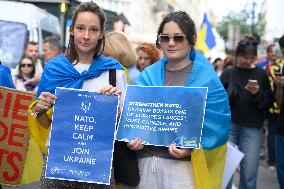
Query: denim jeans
pixel 248 140
pixel 280 159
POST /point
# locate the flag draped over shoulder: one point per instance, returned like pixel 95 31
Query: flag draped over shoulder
pixel 205 36
pixel 59 72
pixel 208 164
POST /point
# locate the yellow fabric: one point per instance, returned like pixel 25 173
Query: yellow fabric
pixel 34 161
pixel 33 164
pixel 201 40
pixel 208 167
pixel 127 75
pixel 39 132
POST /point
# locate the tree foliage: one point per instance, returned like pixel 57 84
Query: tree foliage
pixel 244 21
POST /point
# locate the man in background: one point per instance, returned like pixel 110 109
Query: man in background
pixel 32 50
pixel 52 47
pixel 271 65
pixel 279 81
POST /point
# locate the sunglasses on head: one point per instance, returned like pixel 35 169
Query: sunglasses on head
pixel 248 43
pixel 26 65
pixel 165 39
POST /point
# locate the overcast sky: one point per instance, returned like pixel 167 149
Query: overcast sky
pixel 223 7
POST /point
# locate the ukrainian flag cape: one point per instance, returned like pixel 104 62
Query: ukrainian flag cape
pixel 59 72
pixel 207 162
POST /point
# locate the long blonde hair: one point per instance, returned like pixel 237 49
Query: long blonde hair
pixel 117 46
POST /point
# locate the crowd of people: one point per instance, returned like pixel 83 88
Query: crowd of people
pixel 243 97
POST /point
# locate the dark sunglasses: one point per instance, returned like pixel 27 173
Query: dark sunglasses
pixel 165 39
pixel 26 65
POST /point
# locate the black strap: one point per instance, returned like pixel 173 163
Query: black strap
pixel 112 77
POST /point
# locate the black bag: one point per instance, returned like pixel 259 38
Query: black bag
pixel 125 163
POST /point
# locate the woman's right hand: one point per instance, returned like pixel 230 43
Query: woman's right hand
pixel 45 101
pixel 135 145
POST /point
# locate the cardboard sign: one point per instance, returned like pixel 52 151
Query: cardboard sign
pixel 82 136
pixel 163 115
pixel 14 133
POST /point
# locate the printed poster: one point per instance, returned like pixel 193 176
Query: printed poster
pixel 161 116
pixel 82 136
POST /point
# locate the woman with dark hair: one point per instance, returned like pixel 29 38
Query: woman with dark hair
pixel 250 96
pixel 26 71
pixel 147 54
pixel 218 66
pixel 172 167
pixel 84 67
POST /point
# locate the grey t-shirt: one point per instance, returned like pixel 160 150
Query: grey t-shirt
pixel 172 78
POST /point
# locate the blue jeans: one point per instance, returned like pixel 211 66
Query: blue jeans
pixel 280 159
pixel 248 140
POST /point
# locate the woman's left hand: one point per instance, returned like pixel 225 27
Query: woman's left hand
pixel 178 153
pixel 109 89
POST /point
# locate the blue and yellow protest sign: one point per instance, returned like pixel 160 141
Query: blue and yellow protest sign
pixel 82 136
pixel 161 116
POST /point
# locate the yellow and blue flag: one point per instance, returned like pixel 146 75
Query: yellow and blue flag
pixel 205 36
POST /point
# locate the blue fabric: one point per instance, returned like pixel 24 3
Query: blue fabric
pixel 262 63
pixel 248 139
pixel 5 77
pixel 210 38
pixel 217 113
pixel 59 72
pixel 280 159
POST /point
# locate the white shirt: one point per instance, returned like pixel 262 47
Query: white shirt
pixel 93 85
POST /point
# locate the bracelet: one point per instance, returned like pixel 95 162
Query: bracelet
pixel 37 114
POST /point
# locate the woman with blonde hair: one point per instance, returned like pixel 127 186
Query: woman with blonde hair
pixel 118 47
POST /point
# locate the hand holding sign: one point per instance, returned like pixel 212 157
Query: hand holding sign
pixel 178 153
pixel 162 116
pixel 89 133
pixel 135 145
pixel 109 89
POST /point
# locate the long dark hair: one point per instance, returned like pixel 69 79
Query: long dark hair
pixel 20 74
pixel 185 23
pixel 72 54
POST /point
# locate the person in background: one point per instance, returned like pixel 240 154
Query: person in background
pixel 218 66
pixel 229 62
pixel 271 57
pixel 279 146
pixel 31 50
pixel 250 96
pixel 271 64
pixel 172 167
pixel 26 71
pixel 52 47
pixel 118 47
pixel 147 54
pixel 6 77
pixel 83 67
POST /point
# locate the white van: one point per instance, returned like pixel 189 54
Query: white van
pixel 38 23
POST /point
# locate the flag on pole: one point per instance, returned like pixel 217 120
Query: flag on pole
pixel 205 36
